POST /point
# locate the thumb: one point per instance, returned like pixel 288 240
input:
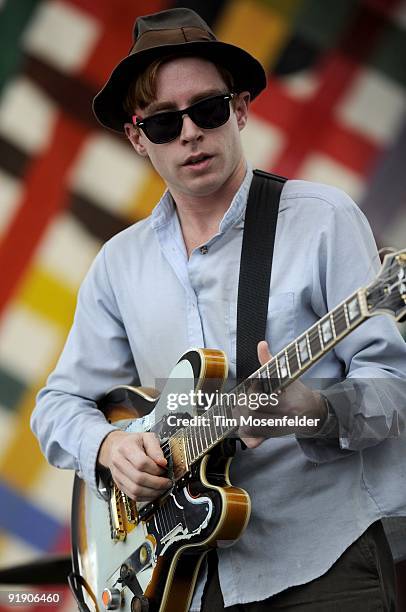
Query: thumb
pixel 263 352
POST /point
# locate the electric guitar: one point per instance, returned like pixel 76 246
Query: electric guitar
pixel 145 557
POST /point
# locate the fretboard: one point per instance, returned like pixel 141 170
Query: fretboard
pixel 285 367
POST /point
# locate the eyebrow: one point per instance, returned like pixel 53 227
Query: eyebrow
pixel 167 106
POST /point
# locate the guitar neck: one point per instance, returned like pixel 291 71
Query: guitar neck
pixel 286 366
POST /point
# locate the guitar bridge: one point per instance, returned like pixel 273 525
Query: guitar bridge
pixel 117 529
pixel 129 507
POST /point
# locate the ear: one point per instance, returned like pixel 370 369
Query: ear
pixel 241 104
pixel 134 136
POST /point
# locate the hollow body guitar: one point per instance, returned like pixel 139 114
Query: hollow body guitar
pixel 146 557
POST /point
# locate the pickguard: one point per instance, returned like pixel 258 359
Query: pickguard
pixel 181 518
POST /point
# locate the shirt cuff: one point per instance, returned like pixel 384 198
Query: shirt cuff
pixel 89 450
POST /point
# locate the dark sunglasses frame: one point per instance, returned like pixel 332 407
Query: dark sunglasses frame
pixel 177 117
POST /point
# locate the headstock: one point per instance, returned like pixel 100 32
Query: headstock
pixel 387 293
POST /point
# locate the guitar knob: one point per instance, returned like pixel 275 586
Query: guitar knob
pixel 111 599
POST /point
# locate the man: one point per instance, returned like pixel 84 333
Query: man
pixel 314 541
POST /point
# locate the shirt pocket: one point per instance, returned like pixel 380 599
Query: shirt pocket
pixel 280 324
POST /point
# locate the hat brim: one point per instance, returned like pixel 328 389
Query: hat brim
pixel 248 75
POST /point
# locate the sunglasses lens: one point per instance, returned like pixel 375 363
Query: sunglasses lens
pixel 162 127
pixel 207 114
pixel 211 113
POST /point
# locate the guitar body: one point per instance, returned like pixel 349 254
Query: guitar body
pixel 155 550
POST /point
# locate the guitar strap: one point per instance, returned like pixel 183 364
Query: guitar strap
pixel 255 268
pixel 252 305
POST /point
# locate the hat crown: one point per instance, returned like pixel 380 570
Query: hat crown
pixel 171 19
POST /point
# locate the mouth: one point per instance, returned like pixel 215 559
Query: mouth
pixel 197 161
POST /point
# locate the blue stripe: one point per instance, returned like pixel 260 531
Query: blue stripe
pixel 21 518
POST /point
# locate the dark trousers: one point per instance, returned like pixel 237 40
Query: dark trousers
pixel 361 580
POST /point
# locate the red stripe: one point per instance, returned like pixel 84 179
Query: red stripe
pixel 310 123
pixel 115 41
pixel 349 148
pixel 45 194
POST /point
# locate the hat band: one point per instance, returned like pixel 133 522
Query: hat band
pixel 177 36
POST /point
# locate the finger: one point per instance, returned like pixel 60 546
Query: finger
pixel 136 491
pixel 133 457
pixel 154 480
pixel 263 352
pixel 252 442
pixel 153 448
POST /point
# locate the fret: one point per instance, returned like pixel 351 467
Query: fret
pixel 192 435
pixel 326 331
pixel 275 359
pixel 191 448
pixel 283 368
pixel 298 355
pixel 266 382
pixel 291 353
pixel 228 406
pixel 223 409
pixel 203 436
pixel 304 350
pixel 213 433
pixel 231 403
pixel 200 444
pixel 318 329
pixel 333 327
pixel 218 425
pixel 340 321
pixel 308 346
pixel 347 320
pixel 187 449
pixel 314 339
pixel 287 363
pixel 273 375
pixel 354 310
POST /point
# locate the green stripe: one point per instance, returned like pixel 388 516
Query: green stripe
pixel 390 54
pixel 11 390
pixel 13 20
pixel 322 22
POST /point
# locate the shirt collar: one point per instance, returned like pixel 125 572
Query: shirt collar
pixel 164 211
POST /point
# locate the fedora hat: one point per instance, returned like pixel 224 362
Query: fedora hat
pixel 174 31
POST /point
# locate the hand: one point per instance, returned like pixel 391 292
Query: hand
pixel 296 400
pixel 136 463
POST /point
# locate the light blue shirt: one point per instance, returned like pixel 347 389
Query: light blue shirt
pixel 144 303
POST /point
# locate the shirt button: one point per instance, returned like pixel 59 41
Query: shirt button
pixel 204 250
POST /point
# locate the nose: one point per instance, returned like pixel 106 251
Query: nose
pixel 190 131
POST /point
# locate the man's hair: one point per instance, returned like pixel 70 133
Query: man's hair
pixel 142 91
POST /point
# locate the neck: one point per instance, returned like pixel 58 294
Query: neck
pixel 200 216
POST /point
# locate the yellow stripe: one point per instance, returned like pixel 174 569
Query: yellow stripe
pixel 22 461
pixel 49 297
pixel 257 28
pixel 152 189
pixel 288 8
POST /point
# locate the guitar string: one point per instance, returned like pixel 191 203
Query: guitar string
pixel 338 317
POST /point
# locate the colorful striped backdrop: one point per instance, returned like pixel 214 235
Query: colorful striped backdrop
pixel 334 111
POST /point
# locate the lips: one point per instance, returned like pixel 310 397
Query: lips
pixel 194 160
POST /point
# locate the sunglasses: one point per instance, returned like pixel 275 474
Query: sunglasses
pixel 207 114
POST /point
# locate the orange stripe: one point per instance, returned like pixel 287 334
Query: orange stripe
pixel 44 196
pixel 152 189
pixel 256 27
